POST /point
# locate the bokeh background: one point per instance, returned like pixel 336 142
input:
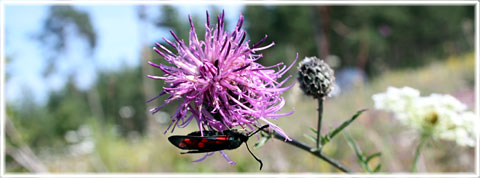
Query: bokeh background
pixel 76 86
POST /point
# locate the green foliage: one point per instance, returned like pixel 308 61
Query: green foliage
pixel 265 137
pixel 289 27
pixel 7 60
pixel 121 92
pixel 329 136
pixel 310 137
pixel 69 108
pixel 379 36
pixel 58 23
pixel 337 130
pixel 417 32
pixel 362 159
pixel 62 24
pixel 170 18
pixel 42 126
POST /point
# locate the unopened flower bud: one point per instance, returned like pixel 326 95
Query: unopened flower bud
pixel 315 77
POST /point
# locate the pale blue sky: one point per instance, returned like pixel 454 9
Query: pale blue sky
pixel 118 44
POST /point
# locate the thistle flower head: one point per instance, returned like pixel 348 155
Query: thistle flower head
pixel 316 77
pixel 218 81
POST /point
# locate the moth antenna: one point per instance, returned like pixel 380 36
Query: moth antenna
pixel 260 161
pixel 261 128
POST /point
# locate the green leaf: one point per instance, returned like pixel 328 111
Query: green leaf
pixel 325 139
pixel 262 141
pixel 355 147
pixel 373 156
pixel 314 131
pixel 379 166
pixel 358 152
pixel 312 138
pixel 330 135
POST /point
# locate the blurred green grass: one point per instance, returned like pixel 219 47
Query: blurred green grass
pixel 374 131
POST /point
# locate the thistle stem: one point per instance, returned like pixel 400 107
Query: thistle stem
pixel 316 153
pixel 417 153
pixel 319 124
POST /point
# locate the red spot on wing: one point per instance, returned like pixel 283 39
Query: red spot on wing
pixel 203 142
pixel 222 138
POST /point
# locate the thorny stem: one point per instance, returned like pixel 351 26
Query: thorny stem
pixel 417 152
pixel 317 153
pixel 319 124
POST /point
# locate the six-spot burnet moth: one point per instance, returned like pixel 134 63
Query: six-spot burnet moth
pixel 213 141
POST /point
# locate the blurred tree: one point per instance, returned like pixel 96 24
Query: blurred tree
pixel 123 100
pixel 146 55
pixel 66 109
pixel 169 17
pixel 62 24
pixel 368 37
pixel 321 30
pixel 290 27
pixel 17 151
pixel 398 37
pixel 7 74
pixel 45 126
pixel 60 28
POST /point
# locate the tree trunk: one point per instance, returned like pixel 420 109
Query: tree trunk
pixel 320 30
pixel 148 85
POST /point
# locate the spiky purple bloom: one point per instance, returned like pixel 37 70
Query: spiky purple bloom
pixel 219 81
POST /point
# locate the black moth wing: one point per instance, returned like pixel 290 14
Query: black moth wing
pixel 213 141
pixel 199 143
pixel 205 133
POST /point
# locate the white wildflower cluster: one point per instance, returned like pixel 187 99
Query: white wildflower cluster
pixel 439 116
pixel 81 141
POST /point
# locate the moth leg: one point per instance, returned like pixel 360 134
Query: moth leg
pixel 199 151
pixel 196 151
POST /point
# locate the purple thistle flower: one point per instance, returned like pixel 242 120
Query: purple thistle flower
pixel 220 83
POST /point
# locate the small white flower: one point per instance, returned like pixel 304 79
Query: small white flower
pixel 441 116
pixel 396 100
pixel 462 131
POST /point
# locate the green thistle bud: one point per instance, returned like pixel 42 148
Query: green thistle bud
pixel 315 77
